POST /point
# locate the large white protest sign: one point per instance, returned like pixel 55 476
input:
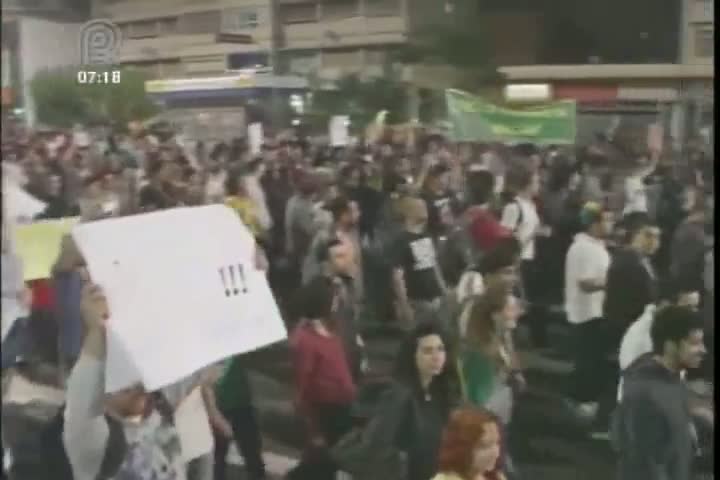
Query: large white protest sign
pixel 183 292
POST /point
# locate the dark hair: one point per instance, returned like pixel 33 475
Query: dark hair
pixel 480 186
pixel 673 324
pixel 315 300
pixel 525 150
pixel 445 386
pixel 188 172
pixel 519 177
pixel 634 222
pixel 505 254
pixel 560 174
pixel 438 170
pixel 338 207
pixel 154 168
pixel 232 184
pixel 671 289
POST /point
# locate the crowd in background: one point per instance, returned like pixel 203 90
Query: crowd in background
pixel 455 245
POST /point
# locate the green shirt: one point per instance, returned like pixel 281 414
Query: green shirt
pixel 478 374
pixel 233 389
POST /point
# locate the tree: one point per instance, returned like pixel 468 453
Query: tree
pixel 461 48
pixel 362 99
pixel 62 101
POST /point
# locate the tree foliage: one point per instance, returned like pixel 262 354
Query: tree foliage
pixel 464 49
pixel 62 101
pixel 362 99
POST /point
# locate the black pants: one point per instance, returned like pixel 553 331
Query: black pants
pixel 333 421
pixel 536 313
pixel 609 374
pixel 246 433
pixel 590 359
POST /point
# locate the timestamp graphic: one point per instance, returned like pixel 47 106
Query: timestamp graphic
pixel 99 77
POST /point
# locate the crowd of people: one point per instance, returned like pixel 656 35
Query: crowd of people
pixel 454 246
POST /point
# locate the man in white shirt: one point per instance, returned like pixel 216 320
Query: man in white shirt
pixel 586 267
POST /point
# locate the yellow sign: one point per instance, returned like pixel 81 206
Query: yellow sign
pixel 38 245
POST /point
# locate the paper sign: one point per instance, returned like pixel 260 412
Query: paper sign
pixel 81 139
pixel 255 137
pixel 339 134
pixel 182 290
pixel 655 136
pixel 38 245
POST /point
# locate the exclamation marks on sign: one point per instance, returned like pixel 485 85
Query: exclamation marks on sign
pixel 224 281
pixel 228 279
pixel 241 272
pixel 232 279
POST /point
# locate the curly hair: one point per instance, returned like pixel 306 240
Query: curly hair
pixel 463 432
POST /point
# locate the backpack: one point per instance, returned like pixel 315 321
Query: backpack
pixel 56 459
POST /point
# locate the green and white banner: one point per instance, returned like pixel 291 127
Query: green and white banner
pixel 472 119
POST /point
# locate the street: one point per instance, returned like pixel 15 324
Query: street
pixel 547 440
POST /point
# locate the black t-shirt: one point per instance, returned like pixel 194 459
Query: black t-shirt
pixel 415 254
pixel 439 206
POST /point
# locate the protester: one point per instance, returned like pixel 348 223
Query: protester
pixel 470 447
pixel 439 201
pixel 631 278
pixel 412 412
pixel 324 385
pixel 636 199
pixel 631 285
pixel 490 369
pixel 652 429
pixel 236 419
pixel 417 280
pixel 136 438
pixel 586 268
pixel 337 265
pixel 688 247
pixel 637 340
pixel 417 239
pixel 345 217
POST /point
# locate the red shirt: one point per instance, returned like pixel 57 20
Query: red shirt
pixel 43 296
pixel 486 230
pixel 322 374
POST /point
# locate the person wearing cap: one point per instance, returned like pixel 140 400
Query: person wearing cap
pixel 586 266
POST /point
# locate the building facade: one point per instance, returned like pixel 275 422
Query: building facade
pixel 179 38
pixel 697 41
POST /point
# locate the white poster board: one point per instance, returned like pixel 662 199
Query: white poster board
pixel 183 292
pixel 255 137
pixel 339 133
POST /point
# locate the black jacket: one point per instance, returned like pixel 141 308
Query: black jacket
pixel 652 432
pixel 630 288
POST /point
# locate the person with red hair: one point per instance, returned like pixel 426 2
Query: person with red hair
pixel 470 448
